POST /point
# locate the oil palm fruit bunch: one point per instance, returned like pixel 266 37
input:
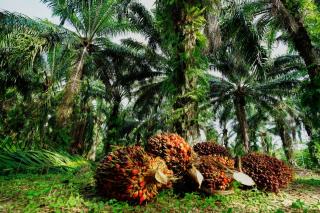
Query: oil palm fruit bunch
pixel 269 173
pixel 213 169
pixel 130 174
pixel 175 151
pixel 210 148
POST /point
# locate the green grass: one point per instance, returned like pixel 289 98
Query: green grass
pixel 310 182
pixel 74 192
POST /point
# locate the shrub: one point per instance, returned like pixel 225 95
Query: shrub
pixel 269 173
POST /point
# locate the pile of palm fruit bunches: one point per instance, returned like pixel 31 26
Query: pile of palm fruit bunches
pixel 137 175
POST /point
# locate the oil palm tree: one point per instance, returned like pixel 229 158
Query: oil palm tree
pixel 92 21
pixel 23 43
pixel 244 75
pixel 30 49
pixel 121 69
pixel 287 15
pixel 284 120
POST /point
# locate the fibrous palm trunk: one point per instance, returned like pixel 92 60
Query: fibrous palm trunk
pixel 78 135
pixel 186 23
pixel 187 125
pixel 299 35
pixel 113 123
pixel 286 141
pixel 303 44
pixel 71 90
pixel 239 103
pixel 212 27
pixel 225 136
pixel 265 143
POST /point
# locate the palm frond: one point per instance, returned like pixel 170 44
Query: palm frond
pixel 38 161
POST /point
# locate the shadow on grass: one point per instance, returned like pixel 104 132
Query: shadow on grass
pixel 89 193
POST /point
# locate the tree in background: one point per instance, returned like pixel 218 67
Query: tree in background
pixel 244 75
pixel 92 21
pixel 300 22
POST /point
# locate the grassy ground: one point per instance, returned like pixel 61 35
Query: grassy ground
pixel 74 192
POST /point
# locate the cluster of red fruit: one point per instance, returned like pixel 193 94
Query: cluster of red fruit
pixel 130 174
pixel 214 159
pixel 133 174
pixel 214 173
pixel 173 149
pixel 269 173
pixel 210 148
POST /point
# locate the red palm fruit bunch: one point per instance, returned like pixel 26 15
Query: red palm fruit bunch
pixel 210 148
pixel 130 174
pixel 173 149
pixel 216 177
pixel 269 173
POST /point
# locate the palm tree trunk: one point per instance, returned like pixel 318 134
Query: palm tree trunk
pixel 77 147
pixel 300 38
pixel 239 103
pixel 185 79
pixel 286 142
pixel 225 136
pixel 71 90
pixel 113 124
pixel 264 143
pixel 93 149
pixel 212 28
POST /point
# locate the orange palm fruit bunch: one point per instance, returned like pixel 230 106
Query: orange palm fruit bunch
pixel 175 151
pixel 210 148
pixel 215 176
pixel 130 174
pixel 269 173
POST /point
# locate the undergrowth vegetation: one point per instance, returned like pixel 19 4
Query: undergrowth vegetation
pixel 38 161
pixel 75 192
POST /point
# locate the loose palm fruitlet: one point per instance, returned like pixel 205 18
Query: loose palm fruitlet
pixel 269 173
pixel 210 148
pixel 215 176
pixel 130 174
pixel 173 149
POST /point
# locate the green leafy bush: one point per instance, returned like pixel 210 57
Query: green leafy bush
pixel 269 173
pixel 303 159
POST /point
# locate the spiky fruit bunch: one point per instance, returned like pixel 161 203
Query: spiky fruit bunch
pixel 173 149
pixel 210 148
pixel 269 173
pixel 214 173
pixel 130 174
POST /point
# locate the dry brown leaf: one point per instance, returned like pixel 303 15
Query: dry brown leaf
pixel 243 179
pixel 160 177
pixel 196 175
